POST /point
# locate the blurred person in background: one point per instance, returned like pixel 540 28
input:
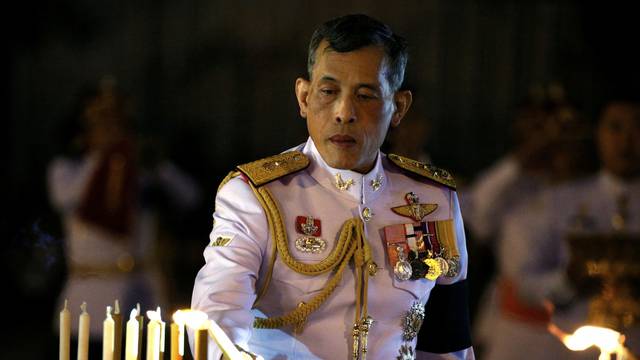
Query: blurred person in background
pixel 108 189
pixel 513 180
pixel 534 254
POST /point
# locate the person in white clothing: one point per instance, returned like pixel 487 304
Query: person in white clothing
pixel 535 259
pixel 110 227
pixel 334 250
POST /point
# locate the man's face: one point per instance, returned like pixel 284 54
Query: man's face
pixel 349 106
pixel 619 139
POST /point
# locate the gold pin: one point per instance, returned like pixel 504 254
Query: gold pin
pixel 376 183
pixel 341 184
pixel 414 209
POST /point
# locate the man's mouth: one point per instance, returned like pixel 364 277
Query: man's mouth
pixel 342 140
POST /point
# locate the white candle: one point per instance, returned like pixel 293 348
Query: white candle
pixel 65 332
pixel 83 333
pixel 198 321
pixel 162 332
pixel 117 333
pixel 153 335
pixel 108 336
pixel 177 336
pixel 131 350
pixel 140 318
pixel 223 341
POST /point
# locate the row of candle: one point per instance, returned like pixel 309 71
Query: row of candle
pixel 112 334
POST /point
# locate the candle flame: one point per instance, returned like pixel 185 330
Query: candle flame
pixel 116 307
pixel 108 311
pixel 608 341
pixel 154 315
pixel 83 307
pixel 134 314
pixel 192 318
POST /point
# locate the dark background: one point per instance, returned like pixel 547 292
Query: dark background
pixel 212 84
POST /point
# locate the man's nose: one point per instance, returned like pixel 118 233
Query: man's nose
pixel 345 111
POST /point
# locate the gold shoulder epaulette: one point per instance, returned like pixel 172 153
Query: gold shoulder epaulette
pixel 425 170
pixel 268 169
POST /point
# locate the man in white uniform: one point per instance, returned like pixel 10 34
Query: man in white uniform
pixel 537 255
pixel 332 249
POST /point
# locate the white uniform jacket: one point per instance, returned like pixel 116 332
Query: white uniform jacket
pixel 225 288
pixel 538 254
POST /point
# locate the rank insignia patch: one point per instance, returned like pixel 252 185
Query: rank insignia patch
pixel 222 240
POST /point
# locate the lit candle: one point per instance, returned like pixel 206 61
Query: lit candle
pixel 140 319
pixel 83 333
pixel 65 332
pixel 197 320
pixel 223 341
pixel 133 333
pixel 177 336
pixel 162 333
pixel 108 336
pixel 153 335
pixel 117 333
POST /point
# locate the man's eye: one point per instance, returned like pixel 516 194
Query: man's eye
pixel 366 97
pixel 328 91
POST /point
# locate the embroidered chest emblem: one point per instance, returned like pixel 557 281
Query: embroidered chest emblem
pixel 414 209
pixel 406 353
pixel 412 321
pixel 311 229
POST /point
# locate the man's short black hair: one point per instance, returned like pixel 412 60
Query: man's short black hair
pixel 352 32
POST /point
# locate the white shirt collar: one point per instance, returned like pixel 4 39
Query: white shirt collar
pixel 360 187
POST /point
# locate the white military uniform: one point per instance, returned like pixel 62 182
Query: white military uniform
pixel 101 267
pixel 497 194
pixel 225 288
pixel 537 255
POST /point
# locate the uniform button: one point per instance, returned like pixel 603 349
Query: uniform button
pixel 367 214
pixel 373 268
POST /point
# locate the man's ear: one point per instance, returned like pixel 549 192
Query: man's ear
pixel 302 94
pixel 402 100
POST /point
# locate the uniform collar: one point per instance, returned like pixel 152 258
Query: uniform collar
pixel 353 185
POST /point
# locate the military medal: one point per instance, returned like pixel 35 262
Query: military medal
pixel 434 270
pixel 454 266
pixel 414 209
pixel 396 240
pixel 402 268
pixel 311 242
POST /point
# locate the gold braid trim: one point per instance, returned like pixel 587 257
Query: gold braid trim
pixel 351 244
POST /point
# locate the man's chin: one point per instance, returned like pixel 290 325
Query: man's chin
pixel 341 164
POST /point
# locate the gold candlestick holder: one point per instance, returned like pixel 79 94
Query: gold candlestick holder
pixel 606 268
